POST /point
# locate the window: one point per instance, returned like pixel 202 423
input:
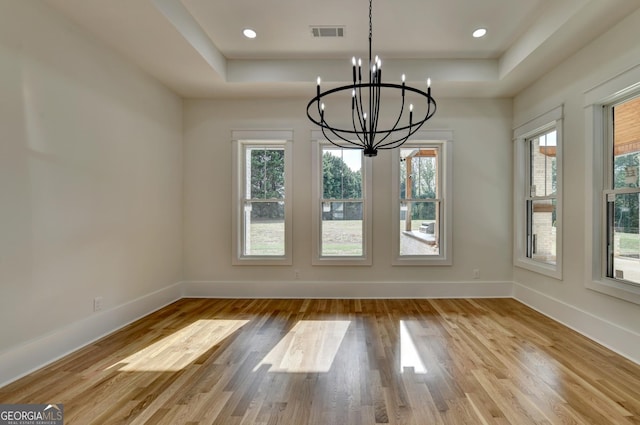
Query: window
pixel 613 135
pixel 262 204
pixel 342 233
pixel 422 202
pixel 622 212
pixel 538 195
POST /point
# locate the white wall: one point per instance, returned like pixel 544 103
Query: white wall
pixel 482 211
pixel 90 178
pixel 610 320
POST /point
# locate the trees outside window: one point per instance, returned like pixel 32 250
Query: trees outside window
pixel 342 226
pixel 622 197
pixel 422 201
pixel 262 208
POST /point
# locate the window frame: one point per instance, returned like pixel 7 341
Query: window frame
pixel 522 136
pixel 596 102
pixel 443 141
pixel 319 141
pixel 241 140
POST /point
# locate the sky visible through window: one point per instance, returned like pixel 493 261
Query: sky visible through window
pixel 351 157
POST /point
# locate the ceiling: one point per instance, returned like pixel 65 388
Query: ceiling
pixel 196 47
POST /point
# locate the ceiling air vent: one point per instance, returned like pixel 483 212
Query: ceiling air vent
pixel 327 31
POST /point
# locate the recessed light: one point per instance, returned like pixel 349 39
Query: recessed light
pixel 249 33
pixel 480 32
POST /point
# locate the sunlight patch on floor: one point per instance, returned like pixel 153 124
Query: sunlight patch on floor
pixel 181 348
pixel 310 346
pixel 409 356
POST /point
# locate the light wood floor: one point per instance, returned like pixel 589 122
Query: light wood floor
pixel 321 362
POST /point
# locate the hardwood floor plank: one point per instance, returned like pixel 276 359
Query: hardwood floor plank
pixel 324 362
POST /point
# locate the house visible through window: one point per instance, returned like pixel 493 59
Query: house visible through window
pixel 422 201
pixel 623 194
pixel 541 230
pixel 612 238
pixel 538 194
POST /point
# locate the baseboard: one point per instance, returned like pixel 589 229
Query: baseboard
pixel 30 356
pixel 616 338
pixel 309 289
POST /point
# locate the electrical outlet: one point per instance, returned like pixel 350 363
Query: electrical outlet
pixel 97 304
pixel 296 274
pixel 476 273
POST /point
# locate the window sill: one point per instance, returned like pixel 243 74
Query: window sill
pixel 341 261
pixel 614 288
pixel 261 261
pixel 540 268
pixel 408 261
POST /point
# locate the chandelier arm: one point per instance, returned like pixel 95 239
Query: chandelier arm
pixel 376 110
pixel 342 146
pixel 354 112
pixel 368 129
pixel 360 111
pixel 393 129
pixel 428 115
pixel 414 128
pixel 362 122
pixel 350 142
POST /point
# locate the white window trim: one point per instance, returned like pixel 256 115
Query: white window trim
pixel 610 91
pixel 443 139
pixel 547 121
pixel 240 139
pixel 318 141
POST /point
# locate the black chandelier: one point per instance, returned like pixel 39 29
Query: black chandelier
pixel 364 133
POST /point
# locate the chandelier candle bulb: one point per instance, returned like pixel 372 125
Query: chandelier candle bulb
pixel 353 61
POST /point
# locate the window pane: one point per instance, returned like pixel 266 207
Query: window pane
pixel 419 228
pixel 543 164
pixel 418 173
pixel 626 240
pixel 626 143
pixel 342 231
pixel 543 231
pixel 341 173
pixel 265 172
pixel 419 225
pixel 264 228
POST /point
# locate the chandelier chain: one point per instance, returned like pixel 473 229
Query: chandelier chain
pixel 370 21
